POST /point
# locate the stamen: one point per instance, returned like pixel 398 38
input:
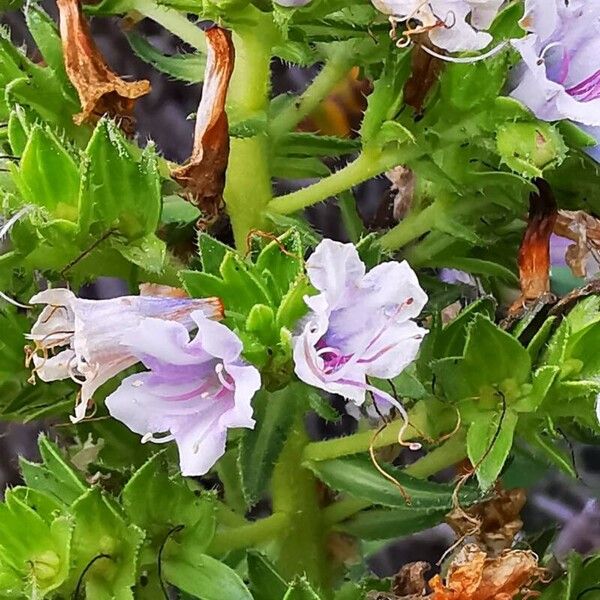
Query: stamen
pixel 546 50
pixel 465 59
pixel 226 384
pixel 16 217
pixel 150 437
pixel 10 300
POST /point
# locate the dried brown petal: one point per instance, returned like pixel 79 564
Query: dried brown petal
pixel 474 576
pixel 203 175
pixel 583 229
pixel 425 70
pixel 410 580
pixel 498 518
pixel 534 253
pixel 162 291
pixel 101 92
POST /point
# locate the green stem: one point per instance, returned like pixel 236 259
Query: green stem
pixel 302 548
pixel 361 442
pixel 252 534
pixel 333 72
pixel 412 227
pixel 175 22
pixel 248 185
pixel 370 163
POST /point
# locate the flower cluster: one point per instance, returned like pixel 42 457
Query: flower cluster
pixel 359 325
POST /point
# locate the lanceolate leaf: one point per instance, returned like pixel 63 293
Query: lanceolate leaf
pixel 260 448
pixel 358 477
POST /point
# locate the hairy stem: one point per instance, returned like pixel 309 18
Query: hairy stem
pixel 370 162
pixel 412 227
pixel 361 442
pixel 302 549
pixel 248 185
pixel 251 534
pixel 175 22
pixel 332 73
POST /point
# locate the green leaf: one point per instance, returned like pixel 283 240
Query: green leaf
pixel 176 210
pixel 185 67
pixel 260 447
pixel 491 358
pixel 265 581
pixel 48 176
pixel 358 477
pixel 105 548
pixel 386 524
pixel 148 252
pixel 172 503
pixel 206 578
pixel 551 452
pixel 54 476
pixel 118 191
pixel 489 441
pixel 211 252
pixel 312 144
pixel 294 167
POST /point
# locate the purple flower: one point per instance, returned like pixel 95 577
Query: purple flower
pixel 454 25
pixel 360 324
pixel 80 339
pixel 559 77
pixel 195 389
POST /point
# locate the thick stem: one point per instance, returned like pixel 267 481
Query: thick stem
pixel 248 186
pixel 246 536
pixel 370 163
pixel 332 73
pixel 302 549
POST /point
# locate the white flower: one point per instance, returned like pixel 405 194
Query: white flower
pixel 81 339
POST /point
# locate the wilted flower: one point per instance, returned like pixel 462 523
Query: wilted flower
pixel 100 90
pixel 360 323
pixel 80 339
pixel 559 77
pixel 453 25
pixel 195 390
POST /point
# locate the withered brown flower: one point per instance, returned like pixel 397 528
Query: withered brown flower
pixel 101 92
pixel 534 253
pixel 474 576
pixel 583 229
pixel 203 175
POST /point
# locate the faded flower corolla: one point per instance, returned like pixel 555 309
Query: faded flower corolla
pixel 194 392
pixel 559 77
pixel 80 339
pixel 359 325
pixel 453 25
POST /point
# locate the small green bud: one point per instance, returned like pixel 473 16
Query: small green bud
pixel 529 148
pixel 46 566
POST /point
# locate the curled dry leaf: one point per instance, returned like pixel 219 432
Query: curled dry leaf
pixel 203 175
pixel 101 92
pixel 534 253
pixel 583 229
pixel 472 575
pixel 410 581
pixel 498 520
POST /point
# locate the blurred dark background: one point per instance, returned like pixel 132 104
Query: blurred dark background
pixel 164 116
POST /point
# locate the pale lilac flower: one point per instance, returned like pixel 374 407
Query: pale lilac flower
pixel 80 339
pixel 292 3
pixel 360 324
pixel 559 77
pixel 454 25
pixel 194 392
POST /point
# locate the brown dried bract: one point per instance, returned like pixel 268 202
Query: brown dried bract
pixel 534 253
pixel 410 581
pixel 583 229
pixel 203 175
pixel 101 92
pixel 472 575
pixel 425 70
pixel 498 520
pixel 162 291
